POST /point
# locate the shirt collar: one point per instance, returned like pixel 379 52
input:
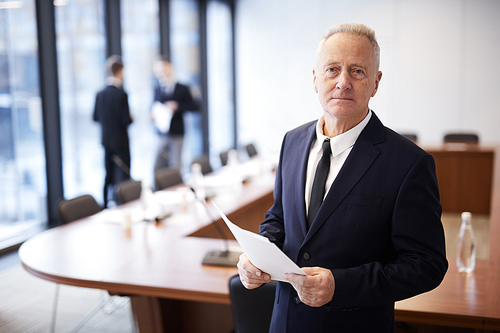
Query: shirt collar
pixel 168 82
pixel 342 142
pixel 113 81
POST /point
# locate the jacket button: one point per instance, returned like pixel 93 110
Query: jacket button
pixel 297 300
pixel 306 256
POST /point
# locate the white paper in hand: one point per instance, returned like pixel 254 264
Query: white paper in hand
pixel 162 116
pixel 262 253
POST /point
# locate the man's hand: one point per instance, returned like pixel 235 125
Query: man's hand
pixel 251 276
pixel 314 289
pixel 173 105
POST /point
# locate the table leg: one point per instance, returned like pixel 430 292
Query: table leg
pixel 160 315
pixel 147 314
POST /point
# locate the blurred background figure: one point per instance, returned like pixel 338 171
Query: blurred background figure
pixel 112 111
pixel 171 100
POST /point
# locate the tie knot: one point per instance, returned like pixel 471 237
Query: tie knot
pixel 327 150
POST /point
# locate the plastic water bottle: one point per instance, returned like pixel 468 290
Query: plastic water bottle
pixel 232 158
pixel 198 181
pixel 234 173
pixel 466 250
pixel 147 200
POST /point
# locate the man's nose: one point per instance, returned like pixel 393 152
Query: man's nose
pixel 344 81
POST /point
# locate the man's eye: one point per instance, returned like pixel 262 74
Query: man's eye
pixel 358 73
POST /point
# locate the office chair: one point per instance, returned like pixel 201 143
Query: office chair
pixel 77 208
pixel 204 161
pixel 128 190
pixel 251 151
pixel 223 157
pixel 410 136
pixel 167 177
pixel 252 309
pixel 461 138
pixel 69 211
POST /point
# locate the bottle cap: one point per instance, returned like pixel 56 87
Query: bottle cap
pixel 466 216
pixel 195 167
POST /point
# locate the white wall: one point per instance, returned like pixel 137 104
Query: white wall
pixel 440 62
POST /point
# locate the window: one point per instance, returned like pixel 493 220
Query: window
pixel 23 188
pixel 141 41
pixel 81 68
pixel 220 77
pixel 185 57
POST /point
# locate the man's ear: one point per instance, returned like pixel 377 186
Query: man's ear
pixel 314 80
pixel 377 82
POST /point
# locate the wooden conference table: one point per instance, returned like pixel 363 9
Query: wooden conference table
pixel 159 267
pixel 469 180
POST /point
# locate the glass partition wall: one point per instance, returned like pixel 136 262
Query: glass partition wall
pixel 140 44
pixel 81 69
pixel 221 118
pixel 23 188
pixel 185 58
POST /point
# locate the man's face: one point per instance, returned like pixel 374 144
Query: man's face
pixel 346 76
pixel 119 74
pixel 167 69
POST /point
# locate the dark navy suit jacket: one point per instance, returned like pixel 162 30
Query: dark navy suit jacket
pixel 379 231
pixel 183 97
pixel 112 111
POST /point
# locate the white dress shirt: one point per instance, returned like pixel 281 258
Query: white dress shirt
pixel 341 146
pixel 113 81
pixel 168 85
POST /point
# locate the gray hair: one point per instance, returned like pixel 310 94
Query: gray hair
pixel 354 28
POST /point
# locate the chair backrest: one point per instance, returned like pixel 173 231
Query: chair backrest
pixel 252 309
pixel 128 190
pixel 77 208
pixel 461 138
pixel 410 136
pixel 167 177
pixel 204 161
pixel 251 151
pixel 223 157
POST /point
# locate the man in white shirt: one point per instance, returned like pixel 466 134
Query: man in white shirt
pixel 356 205
pixel 178 98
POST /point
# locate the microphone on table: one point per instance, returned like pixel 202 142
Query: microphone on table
pixel 163 216
pixel 224 257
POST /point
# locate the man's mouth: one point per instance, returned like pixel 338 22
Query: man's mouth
pixel 343 98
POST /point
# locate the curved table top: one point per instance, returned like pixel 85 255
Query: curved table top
pixel 161 261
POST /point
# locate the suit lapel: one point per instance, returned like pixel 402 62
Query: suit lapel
pixel 305 143
pixel 174 90
pixel 360 159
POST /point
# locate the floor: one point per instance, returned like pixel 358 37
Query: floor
pixel 8 260
pixel 27 304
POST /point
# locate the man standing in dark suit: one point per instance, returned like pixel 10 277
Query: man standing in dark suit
pixel 356 205
pixel 178 99
pixel 112 111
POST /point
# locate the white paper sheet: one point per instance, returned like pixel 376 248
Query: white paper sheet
pixel 162 116
pixel 261 252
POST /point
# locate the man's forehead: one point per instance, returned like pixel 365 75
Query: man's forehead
pixel 341 46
